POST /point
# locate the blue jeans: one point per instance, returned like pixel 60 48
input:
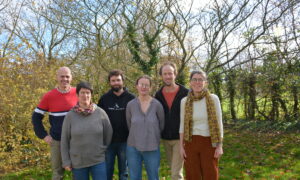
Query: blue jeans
pixel 97 171
pixel 119 150
pixel 135 159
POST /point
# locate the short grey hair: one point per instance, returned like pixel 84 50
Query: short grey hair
pixel 202 73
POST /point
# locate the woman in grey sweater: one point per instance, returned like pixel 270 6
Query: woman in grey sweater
pixel 145 120
pixel 86 133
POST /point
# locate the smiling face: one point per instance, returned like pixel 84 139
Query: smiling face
pixel 116 83
pixel 143 87
pixel 168 75
pixel 198 82
pixel 84 96
pixel 64 78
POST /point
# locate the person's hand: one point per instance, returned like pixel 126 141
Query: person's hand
pixel 48 139
pixel 182 152
pixel 218 152
pixel 68 168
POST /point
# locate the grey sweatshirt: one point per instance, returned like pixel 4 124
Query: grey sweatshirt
pixel 144 128
pixel 85 138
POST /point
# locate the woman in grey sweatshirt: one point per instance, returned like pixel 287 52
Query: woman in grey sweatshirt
pixel 86 133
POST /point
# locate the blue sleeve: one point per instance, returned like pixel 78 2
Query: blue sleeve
pixel 37 121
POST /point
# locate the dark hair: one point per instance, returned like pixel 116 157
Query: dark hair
pixel 144 77
pixel 115 72
pixel 202 73
pixel 168 63
pixel 85 85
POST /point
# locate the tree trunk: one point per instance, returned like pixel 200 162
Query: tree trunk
pixel 296 103
pixel 245 90
pixel 231 89
pixel 274 114
pixel 284 108
pixel 217 84
pixel 252 97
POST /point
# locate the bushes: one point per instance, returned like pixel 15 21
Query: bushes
pixel 22 85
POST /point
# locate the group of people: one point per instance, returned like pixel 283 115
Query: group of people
pixel 86 138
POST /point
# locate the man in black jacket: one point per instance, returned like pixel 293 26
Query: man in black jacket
pixel 170 96
pixel 114 103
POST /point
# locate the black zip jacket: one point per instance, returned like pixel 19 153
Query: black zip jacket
pixel 115 108
pixel 172 116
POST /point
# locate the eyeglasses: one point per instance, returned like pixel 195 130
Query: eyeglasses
pixel 144 85
pixel 197 80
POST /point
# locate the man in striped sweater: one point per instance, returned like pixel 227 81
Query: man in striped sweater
pixel 57 103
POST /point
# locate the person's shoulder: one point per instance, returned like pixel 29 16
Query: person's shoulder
pixel 131 102
pixel 159 91
pixel 50 93
pixel 73 89
pixel 99 112
pixel 155 101
pixel 70 113
pixel 158 94
pixel 72 92
pixel 183 90
pixel 106 96
pixel 183 100
pixel 54 90
pixel 214 97
pixel 99 109
pixel 129 94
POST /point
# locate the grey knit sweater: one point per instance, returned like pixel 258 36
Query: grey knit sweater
pixel 85 138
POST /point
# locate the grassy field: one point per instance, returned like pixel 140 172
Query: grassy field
pixel 247 155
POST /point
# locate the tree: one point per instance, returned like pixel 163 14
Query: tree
pixel 142 19
pixel 180 25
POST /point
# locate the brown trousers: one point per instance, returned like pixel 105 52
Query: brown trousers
pixel 200 163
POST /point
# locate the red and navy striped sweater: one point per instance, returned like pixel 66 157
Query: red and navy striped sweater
pixel 58 105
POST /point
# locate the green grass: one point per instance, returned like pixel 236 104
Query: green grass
pixel 247 155
pixel 254 155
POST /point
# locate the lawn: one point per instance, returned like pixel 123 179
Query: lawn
pixel 247 155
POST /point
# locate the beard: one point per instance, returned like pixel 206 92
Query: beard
pixel 116 88
pixel 167 84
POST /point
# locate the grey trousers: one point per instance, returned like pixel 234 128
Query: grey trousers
pixel 56 162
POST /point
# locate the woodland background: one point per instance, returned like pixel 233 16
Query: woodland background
pixel 249 48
